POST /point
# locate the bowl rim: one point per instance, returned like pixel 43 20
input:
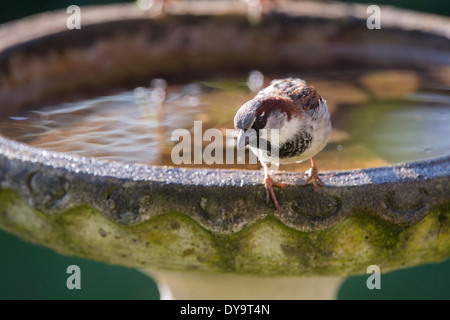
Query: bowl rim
pixel 92 15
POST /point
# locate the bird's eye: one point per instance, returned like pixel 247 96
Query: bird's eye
pixel 262 118
pixel 260 122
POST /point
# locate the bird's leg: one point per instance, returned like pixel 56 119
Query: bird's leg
pixel 269 183
pixel 314 175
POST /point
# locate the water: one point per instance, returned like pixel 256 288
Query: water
pixel 379 118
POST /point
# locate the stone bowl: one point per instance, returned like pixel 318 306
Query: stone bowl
pixel 201 224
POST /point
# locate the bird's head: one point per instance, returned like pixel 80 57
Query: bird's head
pixel 245 120
pixel 263 113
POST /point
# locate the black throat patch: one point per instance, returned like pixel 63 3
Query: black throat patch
pixel 295 147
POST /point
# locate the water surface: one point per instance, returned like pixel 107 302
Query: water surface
pixel 379 117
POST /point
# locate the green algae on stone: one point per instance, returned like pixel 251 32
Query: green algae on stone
pixel 174 241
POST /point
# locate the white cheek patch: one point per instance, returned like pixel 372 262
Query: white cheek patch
pixel 290 129
pixel 274 122
pixel 287 129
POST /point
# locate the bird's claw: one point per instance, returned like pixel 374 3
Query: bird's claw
pixel 314 178
pixel 269 184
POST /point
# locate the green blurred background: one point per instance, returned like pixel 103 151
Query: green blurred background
pixel 31 272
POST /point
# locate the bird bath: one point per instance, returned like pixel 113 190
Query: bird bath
pixel 202 232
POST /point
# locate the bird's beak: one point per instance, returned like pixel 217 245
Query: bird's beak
pixel 242 139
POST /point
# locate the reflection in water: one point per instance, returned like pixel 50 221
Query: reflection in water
pixel 408 122
pixel 420 131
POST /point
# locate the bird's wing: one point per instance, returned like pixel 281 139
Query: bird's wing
pixel 302 96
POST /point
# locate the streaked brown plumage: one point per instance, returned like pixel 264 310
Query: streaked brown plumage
pixel 301 118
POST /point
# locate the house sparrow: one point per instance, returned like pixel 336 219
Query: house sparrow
pixel 301 116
